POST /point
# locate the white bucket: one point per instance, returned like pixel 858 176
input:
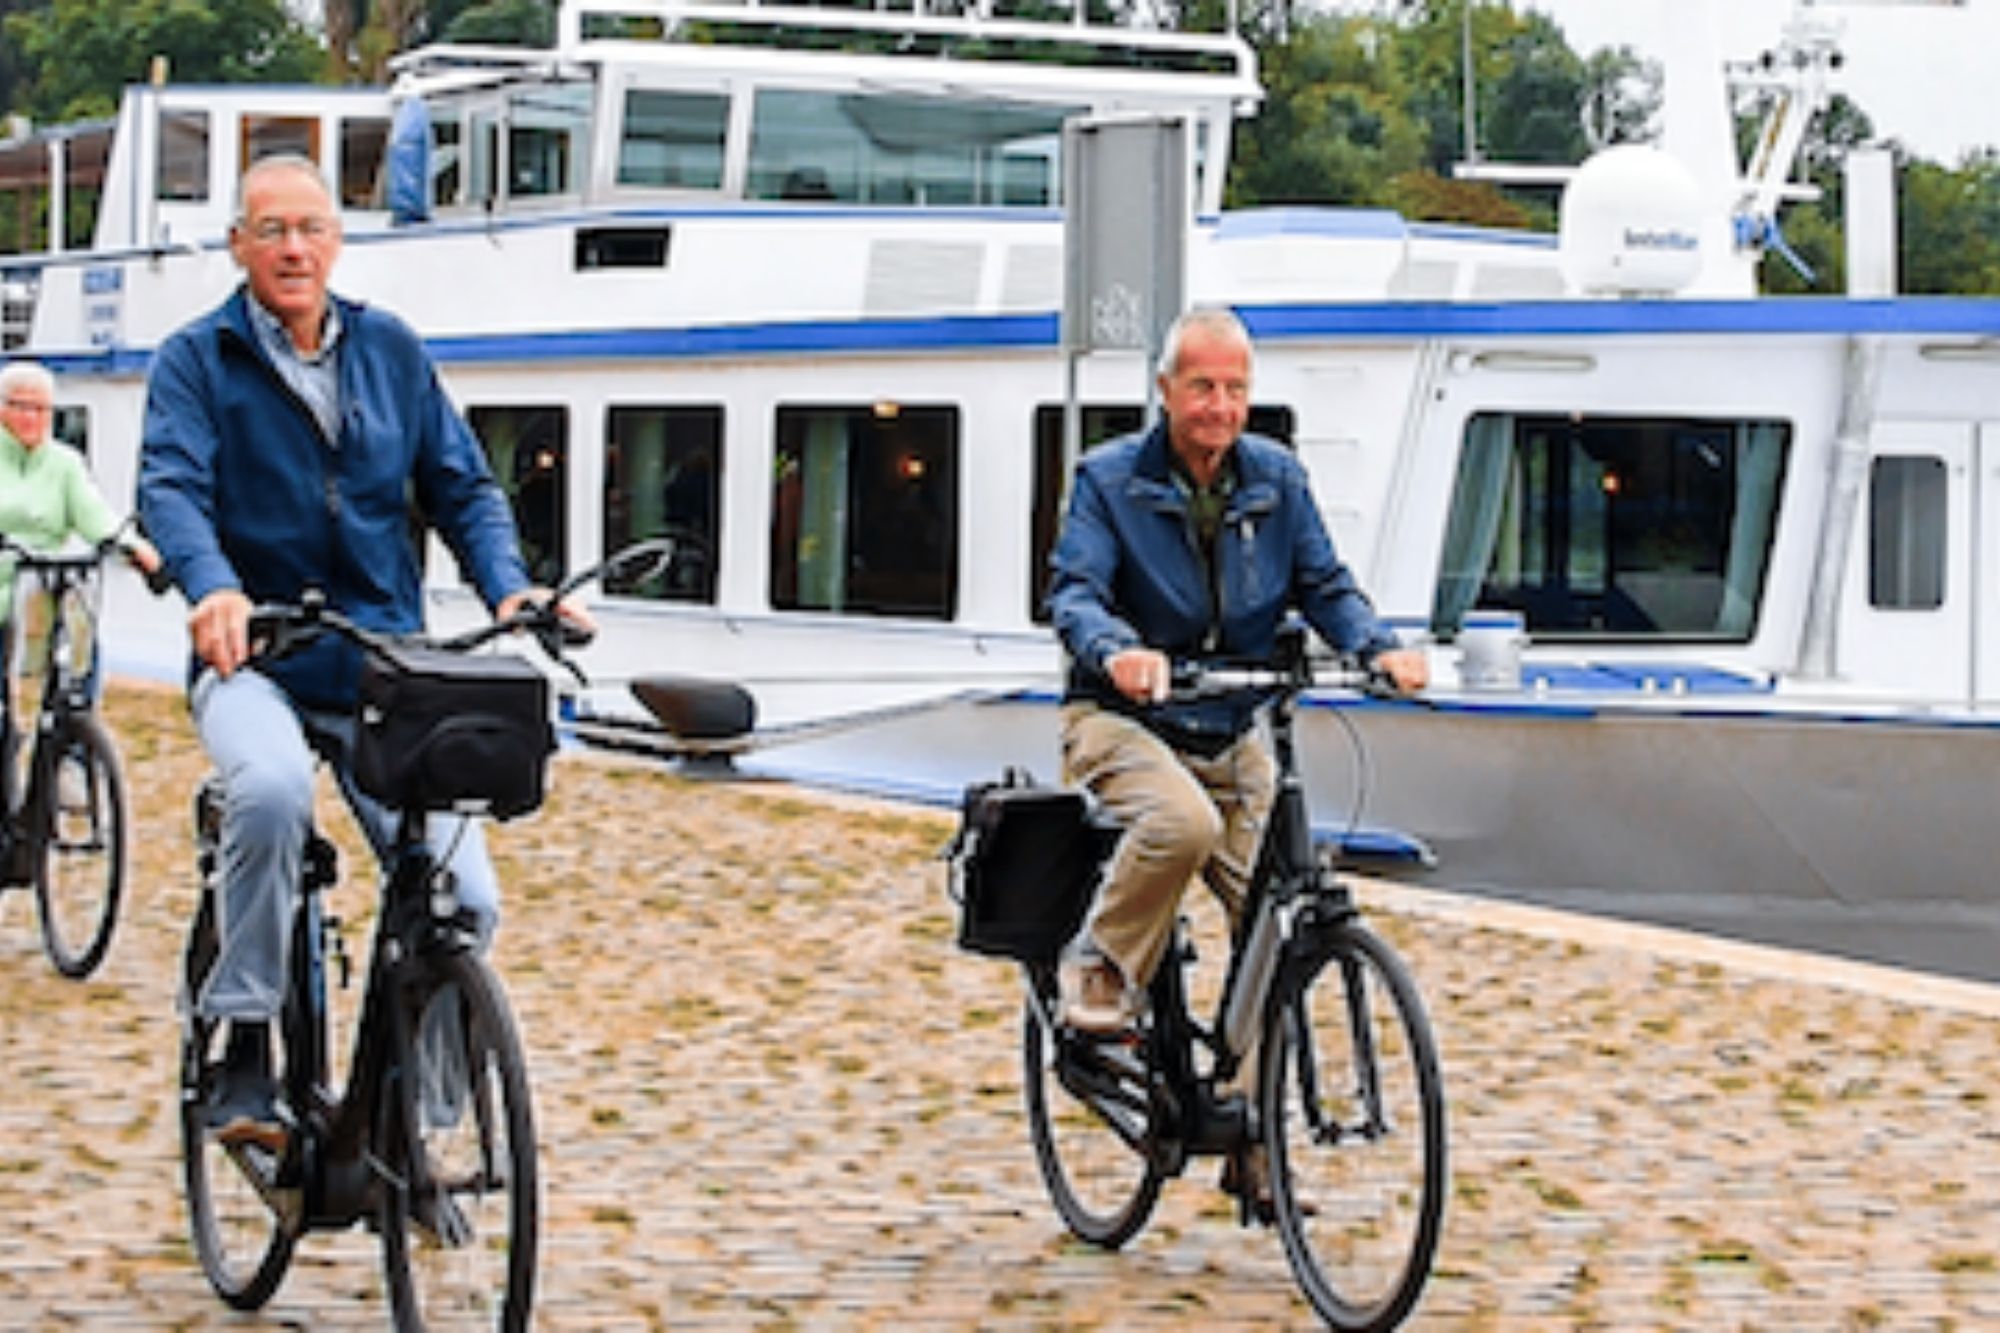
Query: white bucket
pixel 1489 650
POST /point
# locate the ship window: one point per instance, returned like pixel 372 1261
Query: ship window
pixel 548 140
pixel 362 143
pixel 674 140
pixel 663 478
pixel 447 159
pixel 71 425
pixel 1607 527
pixel 864 510
pixel 878 149
pixel 528 448
pixel 268 136
pixel 1907 520
pixel 1101 422
pixel 183 166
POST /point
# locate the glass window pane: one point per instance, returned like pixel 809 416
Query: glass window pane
pixel 663 478
pixel 879 149
pixel 447 158
pixel 183 166
pixel 1907 523
pixel 71 425
pixel 673 139
pixel 268 136
pixel 1613 527
pixel 362 142
pixel 528 449
pixel 865 510
pixel 548 140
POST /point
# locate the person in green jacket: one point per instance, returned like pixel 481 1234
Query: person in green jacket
pixel 47 497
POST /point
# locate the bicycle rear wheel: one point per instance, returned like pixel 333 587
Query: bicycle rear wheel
pixel 460 1208
pixel 80 845
pixel 1353 1111
pixel 242 1239
pixel 1088 1114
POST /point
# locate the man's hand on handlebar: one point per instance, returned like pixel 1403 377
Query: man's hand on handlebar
pixel 571 612
pixel 1140 674
pixel 1408 669
pixel 219 628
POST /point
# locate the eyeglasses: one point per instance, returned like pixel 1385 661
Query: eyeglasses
pixel 272 231
pixel 23 405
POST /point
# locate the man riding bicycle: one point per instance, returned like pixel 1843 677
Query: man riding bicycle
pixel 287 435
pixel 1188 540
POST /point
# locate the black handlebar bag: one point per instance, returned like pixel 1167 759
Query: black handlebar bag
pixel 1024 866
pixel 438 730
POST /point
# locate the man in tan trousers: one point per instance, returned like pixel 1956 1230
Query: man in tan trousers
pixel 1188 540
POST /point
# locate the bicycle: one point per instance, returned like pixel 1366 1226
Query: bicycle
pixel 1349 1103
pixel 431 1137
pixel 63 815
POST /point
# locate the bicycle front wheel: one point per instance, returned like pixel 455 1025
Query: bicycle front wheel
pixel 1089 1116
pixel 79 854
pixel 1353 1113
pixel 242 1238
pixel 460 1209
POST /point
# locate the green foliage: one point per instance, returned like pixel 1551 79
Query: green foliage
pixel 77 55
pixel 504 23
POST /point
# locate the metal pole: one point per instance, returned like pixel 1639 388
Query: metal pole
pixel 1471 84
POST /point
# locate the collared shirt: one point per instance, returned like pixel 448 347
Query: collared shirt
pixel 1205 507
pixel 314 378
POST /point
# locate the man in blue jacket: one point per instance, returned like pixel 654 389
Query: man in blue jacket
pixel 287 435
pixel 1189 540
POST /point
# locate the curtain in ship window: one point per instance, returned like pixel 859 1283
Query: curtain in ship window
pixel 1760 456
pixel 1486 476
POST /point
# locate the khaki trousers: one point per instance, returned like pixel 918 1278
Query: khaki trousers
pixel 1182 814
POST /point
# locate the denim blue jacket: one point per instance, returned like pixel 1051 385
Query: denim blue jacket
pixel 238 487
pixel 1128 572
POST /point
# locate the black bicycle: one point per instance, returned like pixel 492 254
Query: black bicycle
pixel 1348 1106
pixel 63 817
pixel 431 1137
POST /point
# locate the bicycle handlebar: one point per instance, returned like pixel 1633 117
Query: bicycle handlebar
pixel 1290 669
pixel 120 543
pixel 279 628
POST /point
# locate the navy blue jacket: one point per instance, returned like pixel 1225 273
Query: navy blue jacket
pixel 239 489
pixel 1128 573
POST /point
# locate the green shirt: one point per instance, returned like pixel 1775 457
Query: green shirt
pixel 46 497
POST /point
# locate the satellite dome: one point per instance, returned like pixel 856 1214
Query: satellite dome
pixel 1631 224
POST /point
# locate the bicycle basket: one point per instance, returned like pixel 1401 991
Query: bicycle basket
pixel 438 730
pixel 1024 865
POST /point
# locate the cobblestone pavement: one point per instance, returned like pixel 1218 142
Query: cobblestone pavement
pixel 773 1095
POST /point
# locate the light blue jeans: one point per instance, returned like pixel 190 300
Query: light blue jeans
pixel 257 742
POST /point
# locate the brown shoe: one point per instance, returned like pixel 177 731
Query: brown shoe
pixel 1095 998
pixel 1254 1176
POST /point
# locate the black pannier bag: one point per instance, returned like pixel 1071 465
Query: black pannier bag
pixel 1024 865
pixel 439 730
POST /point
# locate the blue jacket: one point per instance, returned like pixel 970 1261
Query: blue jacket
pixel 239 489
pixel 1128 572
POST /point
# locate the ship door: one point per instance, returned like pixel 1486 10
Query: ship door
pixel 1911 623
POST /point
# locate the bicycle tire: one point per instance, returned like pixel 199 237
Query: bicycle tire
pixel 1359 1195
pixel 243 1242
pixel 79 847
pixel 1092 1149
pixel 469 1246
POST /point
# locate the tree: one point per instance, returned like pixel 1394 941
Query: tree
pixel 78 55
pixel 1333 128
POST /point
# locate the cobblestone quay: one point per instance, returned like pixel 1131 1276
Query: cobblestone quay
pixel 772 1095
